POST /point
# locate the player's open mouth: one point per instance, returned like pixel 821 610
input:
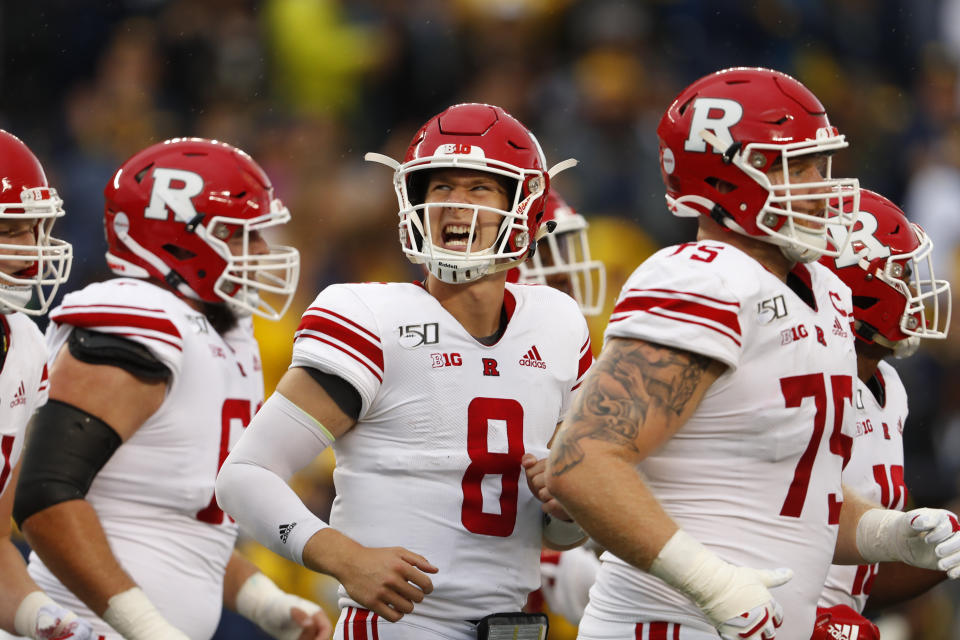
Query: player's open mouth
pixel 455 236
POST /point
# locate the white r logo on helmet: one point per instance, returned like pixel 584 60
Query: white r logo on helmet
pixel 862 241
pixel 173 188
pixel 705 116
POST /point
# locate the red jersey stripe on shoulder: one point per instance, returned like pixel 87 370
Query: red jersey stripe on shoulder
pixel 94 319
pixel 700 296
pixel 345 334
pixel 111 306
pixel 319 338
pixel 586 360
pixel 6 449
pixel 44 379
pixel 680 306
pixel 317 310
pixel 690 321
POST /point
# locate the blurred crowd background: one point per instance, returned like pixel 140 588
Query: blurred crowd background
pixel 308 86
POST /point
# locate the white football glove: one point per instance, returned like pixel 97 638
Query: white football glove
pixel 264 603
pixel 927 538
pixel 760 623
pixel 40 618
pixel 735 599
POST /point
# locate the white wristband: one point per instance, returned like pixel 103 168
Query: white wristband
pixel 722 590
pixel 264 603
pixel 25 619
pixel 132 614
pixel 879 534
pixel 561 532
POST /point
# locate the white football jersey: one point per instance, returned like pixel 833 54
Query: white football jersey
pixel 433 463
pixel 755 473
pixel 154 496
pixel 23 387
pixel 875 471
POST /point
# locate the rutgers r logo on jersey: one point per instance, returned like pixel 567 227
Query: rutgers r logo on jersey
pixel 173 189
pixel 716 115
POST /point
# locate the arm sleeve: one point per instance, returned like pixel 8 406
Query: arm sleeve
pixel 252 483
pixel 339 335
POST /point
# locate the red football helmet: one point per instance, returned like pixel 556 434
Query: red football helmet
pixel 888 265
pixel 173 211
pixel 484 138
pixel 567 259
pixel 727 134
pixel 25 196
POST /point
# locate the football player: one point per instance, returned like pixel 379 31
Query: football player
pixel 153 376
pixel 562 259
pixel 897 301
pixel 723 383
pixel 33 264
pixel 430 393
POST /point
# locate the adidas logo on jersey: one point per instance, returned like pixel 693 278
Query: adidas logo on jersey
pixel 844 631
pixel 838 329
pixel 285 530
pixel 20 397
pixel 533 359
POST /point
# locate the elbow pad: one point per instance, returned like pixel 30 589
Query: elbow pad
pixel 66 448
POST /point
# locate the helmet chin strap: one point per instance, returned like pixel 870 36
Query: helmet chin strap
pixel 169 276
pixel 14 299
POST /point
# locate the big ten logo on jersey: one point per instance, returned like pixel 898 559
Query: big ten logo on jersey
pixel 417 335
pixel 446 360
pixel 771 309
pixel 799 332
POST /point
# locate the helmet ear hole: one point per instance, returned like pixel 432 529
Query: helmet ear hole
pixel 179 253
pixel 720 185
pixel 864 302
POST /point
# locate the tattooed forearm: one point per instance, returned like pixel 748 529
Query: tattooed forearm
pixel 630 383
